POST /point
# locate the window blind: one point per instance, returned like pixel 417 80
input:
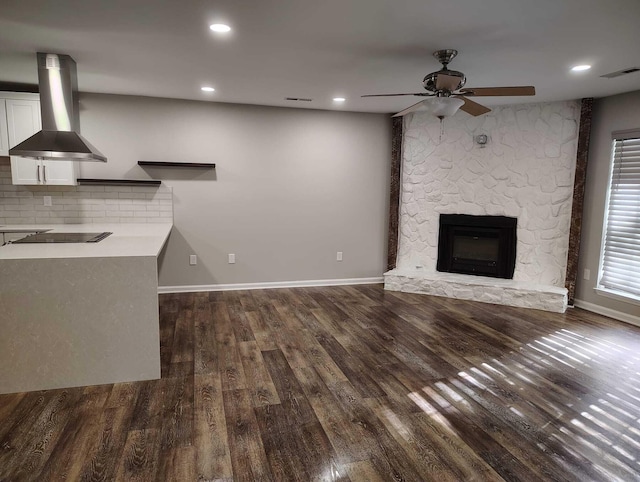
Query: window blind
pixel 621 254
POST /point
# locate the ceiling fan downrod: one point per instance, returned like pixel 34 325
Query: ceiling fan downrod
pixel 445 56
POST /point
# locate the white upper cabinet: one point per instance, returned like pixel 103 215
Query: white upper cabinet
pixel 22 117
pixel 23 120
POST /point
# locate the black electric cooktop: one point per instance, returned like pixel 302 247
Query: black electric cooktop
pixel 63 238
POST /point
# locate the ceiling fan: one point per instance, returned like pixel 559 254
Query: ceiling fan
pixel 447 87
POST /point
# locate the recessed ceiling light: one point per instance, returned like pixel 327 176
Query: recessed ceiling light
pixel 207 89
pixel 580 68
pixel 220 27
pixel 339 99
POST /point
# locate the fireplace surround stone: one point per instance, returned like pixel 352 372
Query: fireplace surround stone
pixel 526 171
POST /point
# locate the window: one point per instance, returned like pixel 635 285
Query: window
pixel 620 261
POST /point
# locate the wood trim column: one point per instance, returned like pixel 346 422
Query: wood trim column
pixel 582 158
pixel 394 191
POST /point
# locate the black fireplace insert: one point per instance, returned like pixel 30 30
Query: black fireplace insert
pixel 479 245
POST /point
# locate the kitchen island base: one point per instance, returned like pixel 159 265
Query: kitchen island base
pixel 70 322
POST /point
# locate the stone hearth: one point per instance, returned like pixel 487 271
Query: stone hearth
pixel 478 288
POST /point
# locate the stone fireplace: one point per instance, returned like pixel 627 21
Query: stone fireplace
pixel 525 172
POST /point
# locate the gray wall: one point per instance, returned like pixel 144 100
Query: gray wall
pixel 291 187
pixel 609 114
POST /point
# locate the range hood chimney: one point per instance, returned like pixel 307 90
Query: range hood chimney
pixel 60 137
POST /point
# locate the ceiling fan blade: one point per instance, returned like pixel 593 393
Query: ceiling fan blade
pixel 409 109
pixel 473 108
pixel 498 91
pixel 419 94
pixel 447 82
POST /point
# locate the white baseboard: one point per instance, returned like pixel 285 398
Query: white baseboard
pixel 269 285
pixel 601 310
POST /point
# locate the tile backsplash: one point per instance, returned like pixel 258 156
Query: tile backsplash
pixel 82 204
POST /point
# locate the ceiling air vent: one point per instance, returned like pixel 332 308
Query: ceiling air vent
pixel 298 99
pixel 613 75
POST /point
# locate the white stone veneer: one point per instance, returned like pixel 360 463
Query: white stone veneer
pixel 525 171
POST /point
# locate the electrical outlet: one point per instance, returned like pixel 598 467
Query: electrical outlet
pixel 47 200
pixel 193 259
pixel 339 256
pixel 232 258
pixel 587 274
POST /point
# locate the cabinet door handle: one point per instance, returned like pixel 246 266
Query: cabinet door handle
pixel 44 174
pixel 38 173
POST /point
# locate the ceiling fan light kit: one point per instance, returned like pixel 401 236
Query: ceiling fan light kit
pixel 443 107
pixel 446 87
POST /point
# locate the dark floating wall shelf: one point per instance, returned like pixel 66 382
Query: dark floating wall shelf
pixel 119 182
pixel 200 165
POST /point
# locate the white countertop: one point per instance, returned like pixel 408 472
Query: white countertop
pixel 126 240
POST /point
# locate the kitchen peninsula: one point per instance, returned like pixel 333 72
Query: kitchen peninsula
pixel 78 314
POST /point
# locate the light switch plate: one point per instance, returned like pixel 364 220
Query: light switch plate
pixel 193 259
pixel 232 258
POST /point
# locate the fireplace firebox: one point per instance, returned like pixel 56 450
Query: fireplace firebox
pixel 478 245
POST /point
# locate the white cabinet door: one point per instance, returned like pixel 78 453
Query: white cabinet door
pixel 59 172
pixel 4 131
pixel 23 119
pixel 24 170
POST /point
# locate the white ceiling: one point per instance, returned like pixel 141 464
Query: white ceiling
pixel 327 48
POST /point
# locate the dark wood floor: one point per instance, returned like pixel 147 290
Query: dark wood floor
pixel 347 383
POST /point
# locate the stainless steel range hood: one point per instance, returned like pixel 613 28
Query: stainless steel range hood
pixel 60 137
